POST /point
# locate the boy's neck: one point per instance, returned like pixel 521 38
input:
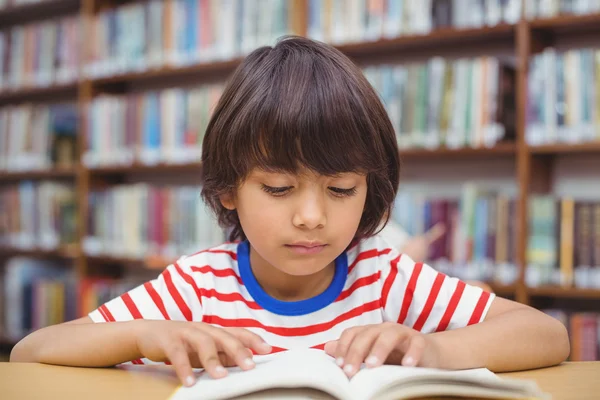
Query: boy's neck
pixel 285 287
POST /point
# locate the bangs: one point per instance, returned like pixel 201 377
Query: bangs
pixel 306 114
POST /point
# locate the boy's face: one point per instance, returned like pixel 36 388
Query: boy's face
pixel 299 223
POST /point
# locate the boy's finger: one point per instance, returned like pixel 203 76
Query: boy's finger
pixel 383 346
pixel 343 344
pixel 251 340
pixel 359 350
pixel 330 347
pixel 233 347
pixel 178 357
pixel 414 354
pixel 205 347
pixel 436 232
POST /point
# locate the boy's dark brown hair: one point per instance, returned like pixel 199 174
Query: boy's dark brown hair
pixel 300 104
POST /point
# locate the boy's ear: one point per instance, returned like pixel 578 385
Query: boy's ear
pixel 227 201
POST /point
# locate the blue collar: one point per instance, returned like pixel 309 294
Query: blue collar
pixel 291 308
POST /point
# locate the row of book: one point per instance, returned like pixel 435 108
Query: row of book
pixel 584 333
pixel 480 231
pixel 41 215
pixel 553 8
pixel 36 293
pixel 564 242
pixel 159 33
pixel 149 128
pixel 140 219
pixel 344 21
pixel 16 3
pixel 37 137
pixel 564 97
pixel 40 54
pixel 452 103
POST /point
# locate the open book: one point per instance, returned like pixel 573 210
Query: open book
pixel 312 374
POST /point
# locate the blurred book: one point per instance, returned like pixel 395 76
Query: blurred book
pixel 38 215
pixel 448 103
pixel 38 137
pixel 175 33
pixel 354 21
pixel 564 242
pixel 553 8
pixel 40 54
pixel 149 128
pixel 480 238
pixel 564 97
pixel 139 220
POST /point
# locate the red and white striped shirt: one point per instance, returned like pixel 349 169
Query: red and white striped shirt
pixel 372 284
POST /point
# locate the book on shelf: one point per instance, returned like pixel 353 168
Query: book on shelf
pixel 38 137
pixel 174 33
pixel 564 242
pixel 563 97
pixel 37 293
pixel 553 8
pixel 40 54
pixel 138 220
pixel 311 373
pixel 38 215
pixel 354 21
pixel 584 333
pixel 450 103
pixel 17 3
pixel 479 242
pixel 149 128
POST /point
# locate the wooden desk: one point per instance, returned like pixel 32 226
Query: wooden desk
pixel 35 381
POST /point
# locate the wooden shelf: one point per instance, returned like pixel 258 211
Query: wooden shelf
pixel 66 253
pixel 145 169
pixel 503 290
pixel 46 93
pixel 46 9
pixel 196 72
pixel 151 263
pixel 564 292
pixel 438 39
pixel 500 150
pixel 58 173
pixel 570 24
pixel 564 148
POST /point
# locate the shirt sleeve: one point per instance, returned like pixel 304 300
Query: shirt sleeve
pixel 171 296
pixel 416 295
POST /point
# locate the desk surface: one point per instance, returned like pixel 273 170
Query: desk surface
pixel 35 381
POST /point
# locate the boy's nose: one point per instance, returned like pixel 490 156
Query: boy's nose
pixel 310 214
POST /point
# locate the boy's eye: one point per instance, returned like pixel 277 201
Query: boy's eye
pixel 342 192
pixel 276 190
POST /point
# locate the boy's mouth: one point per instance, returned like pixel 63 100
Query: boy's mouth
pixel 306 247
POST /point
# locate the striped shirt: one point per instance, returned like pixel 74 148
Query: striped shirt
pixel 372 284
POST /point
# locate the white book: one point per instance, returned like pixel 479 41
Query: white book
pixel 313 374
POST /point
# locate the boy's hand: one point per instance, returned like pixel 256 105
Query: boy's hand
pixel 190 345
pixel 388 342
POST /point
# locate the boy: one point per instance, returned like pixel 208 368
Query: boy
pixel 300 161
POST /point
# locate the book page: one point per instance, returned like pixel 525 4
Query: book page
pixel 368 381
pixel 291 369
pixel 373 383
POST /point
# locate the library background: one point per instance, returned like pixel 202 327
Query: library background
pixel 103 106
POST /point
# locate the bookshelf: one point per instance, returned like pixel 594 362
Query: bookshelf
pixel 48 93
pixel 28 12
pixel 55 173
pixel 532 164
